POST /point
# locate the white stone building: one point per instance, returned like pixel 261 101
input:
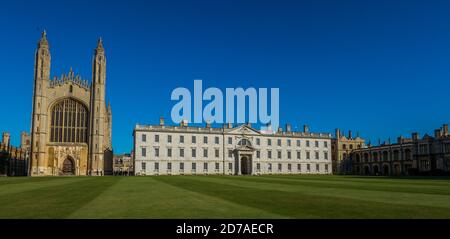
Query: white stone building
pixel 178 150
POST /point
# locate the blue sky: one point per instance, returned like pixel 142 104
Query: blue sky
pixel 380 68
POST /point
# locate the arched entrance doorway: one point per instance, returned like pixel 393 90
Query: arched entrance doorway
pixel 366 170
pixel 246 165
pixel 68 166
pixel 376 171
pixel 385 170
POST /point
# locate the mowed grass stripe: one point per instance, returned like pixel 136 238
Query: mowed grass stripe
pixel 364 195
pixel 300 205
pixel 36 183
pixel 147 197
pixel 55 201
pixel 373 180
pixel 368 185
pixel 424 181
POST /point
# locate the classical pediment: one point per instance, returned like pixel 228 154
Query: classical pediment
pixel 244 130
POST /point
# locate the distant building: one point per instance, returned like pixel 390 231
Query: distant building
pixel 342 147
pixel 242 150
pixel 413 156
pixel 123 165
pixel 13 160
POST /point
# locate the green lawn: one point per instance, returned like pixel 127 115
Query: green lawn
pixel 224 197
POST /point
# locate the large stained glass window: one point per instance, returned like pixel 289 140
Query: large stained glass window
pixel 69 122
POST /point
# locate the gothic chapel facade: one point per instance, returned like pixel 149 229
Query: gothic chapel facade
pixel 71 123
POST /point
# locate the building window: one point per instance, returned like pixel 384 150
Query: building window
pixel 279 167
pixel 317 144
pixel 307 143
pixel 299 167
pixel 258 154
pixel 156 138
pixel 325 155
pixel 279 154
pixel 216 153
pixel 269 142
pixel 289 167
pixel 217 166
pixel 143 166
pixel 144 152
pixel 169 166
pixel 317 155
pixel 351 146
pixel 194 139
pixel 169 138
pixel 156 166
pixel 447 148
pixel 289 154
pixel 270 167
pixel 230 153
pixel 258 141
pixel 205 140
pixel 69 122
pixel 326 168
pixel 205 166
pixel 216 140
pixel 269 154
pixel 194 166
pixel 230 140
pixel 181 152
pixel 298 154
pixel 181 166
pixel 308 155
pixel 289 142
pixel 144 138
pixel 425 164
pixel 169 152
pixel 258 166
pixel 317 167
pixel 308 167
pixel 279 142
pixel 205 153
pixel 194 153
pixel 156 152
pixel 298 143
pixel 181 139
pixel 344 146
pixel 230 166
pixel 325 144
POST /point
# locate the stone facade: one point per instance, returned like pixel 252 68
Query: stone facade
pixel 242 150
pixel 342 147
pixel 123 165
pixel 13 160
pixel 408 156
pixel 71 124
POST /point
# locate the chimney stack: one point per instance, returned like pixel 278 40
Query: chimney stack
pixel 445 129
pixel 350 134
pixel 400 139
pixel 280 130
pixel 208 125
pixel 437 133
pixel 5 139
pixel 338 133
pixel 288 128
pixel 230 125
pixel 415 136
pixel 184 123
pixel 161 121
pixel 305 128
